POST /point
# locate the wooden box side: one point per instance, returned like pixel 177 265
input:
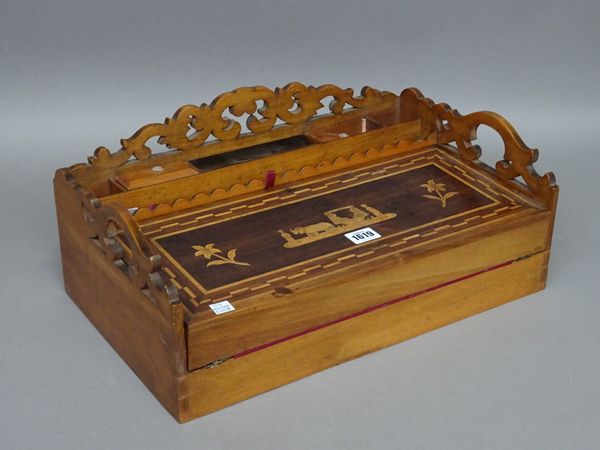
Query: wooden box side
pixel 272 316
pixel 150 342
pixel 206 390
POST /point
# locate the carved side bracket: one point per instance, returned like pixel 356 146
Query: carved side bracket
pixel 192 125
pixel 123 244
pixel 451 126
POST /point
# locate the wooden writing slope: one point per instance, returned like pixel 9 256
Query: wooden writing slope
pixel 241 260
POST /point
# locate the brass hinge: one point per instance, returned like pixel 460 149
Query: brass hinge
pixel 215 363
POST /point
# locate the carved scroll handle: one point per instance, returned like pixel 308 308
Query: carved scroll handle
pixel 451 127
pixel 123 243
pixel 518 158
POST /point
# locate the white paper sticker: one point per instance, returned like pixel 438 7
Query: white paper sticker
pixel 363 235
pixel 221 307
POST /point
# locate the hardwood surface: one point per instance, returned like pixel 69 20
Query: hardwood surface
pixel 207 390
pixel 391 205
pixel 146 252
pixel 293 104
pixel 214 185
pixel 265 318
pixel 254 224
pixel 148 341
pixel 270 285
pixel 155 175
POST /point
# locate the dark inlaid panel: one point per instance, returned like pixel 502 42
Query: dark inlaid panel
pixel 266 241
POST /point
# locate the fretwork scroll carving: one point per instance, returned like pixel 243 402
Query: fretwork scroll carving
pixel 192 125
pixel 122 243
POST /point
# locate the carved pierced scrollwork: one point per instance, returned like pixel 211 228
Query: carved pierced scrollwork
pixel 192 125
pixel 122 243
pixel 452 127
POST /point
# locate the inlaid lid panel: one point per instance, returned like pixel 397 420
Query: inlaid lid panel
pixel 263 242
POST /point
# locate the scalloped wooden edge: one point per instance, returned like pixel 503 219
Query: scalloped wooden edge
pixel 288 176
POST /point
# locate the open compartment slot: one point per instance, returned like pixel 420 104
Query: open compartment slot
pixel 353 127
pixel 148 176
pixel 251 153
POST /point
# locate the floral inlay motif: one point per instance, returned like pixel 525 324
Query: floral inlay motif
pixel 439 189
pixel 209 251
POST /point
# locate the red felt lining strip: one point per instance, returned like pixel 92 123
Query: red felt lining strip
pixel 368 310
pixel 270 177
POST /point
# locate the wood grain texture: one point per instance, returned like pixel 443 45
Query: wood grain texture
pixel 397 186
pixel 155 175
pixel 453 127
pixel 122 243
pixel 269 316
pixel 292 104
pixel 286 237
pixel 273 301
pixel 458 237
pixel 207 390
pixel 149 341
pixel 317 159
